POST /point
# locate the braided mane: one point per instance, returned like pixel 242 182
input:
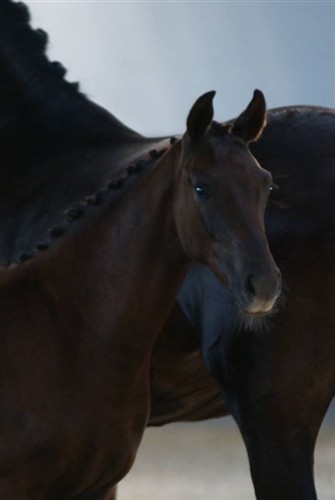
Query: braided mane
pixel 79 209
pixel 16 24
pixel 18 37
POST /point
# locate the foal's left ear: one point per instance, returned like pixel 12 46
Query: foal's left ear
pixel 200 116
pixel 250 124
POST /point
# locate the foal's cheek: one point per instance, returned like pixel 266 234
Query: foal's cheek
pixel 220 263
pixel 192 232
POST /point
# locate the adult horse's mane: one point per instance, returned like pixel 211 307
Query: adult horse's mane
pixel 35 94
pixel 68 145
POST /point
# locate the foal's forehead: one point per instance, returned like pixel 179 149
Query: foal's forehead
pixel 227 148
pixel 221 139
pixel 222 158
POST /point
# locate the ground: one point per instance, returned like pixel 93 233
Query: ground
pixel 207 461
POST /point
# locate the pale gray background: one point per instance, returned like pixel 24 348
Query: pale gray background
pixel 147 62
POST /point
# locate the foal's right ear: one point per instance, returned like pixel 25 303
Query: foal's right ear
pixel 200 116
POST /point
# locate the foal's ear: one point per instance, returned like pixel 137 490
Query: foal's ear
pixel 250 124
pixel 200 116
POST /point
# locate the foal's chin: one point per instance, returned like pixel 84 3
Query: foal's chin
pixel 258 321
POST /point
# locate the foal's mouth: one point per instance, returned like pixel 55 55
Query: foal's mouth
pixel 261 314
pixel 258 321
pixel 253 322
pixel 258 308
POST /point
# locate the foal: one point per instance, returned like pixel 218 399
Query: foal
pixel 79 321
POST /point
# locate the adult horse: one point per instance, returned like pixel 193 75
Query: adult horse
pixel 75 361
pixel 78 141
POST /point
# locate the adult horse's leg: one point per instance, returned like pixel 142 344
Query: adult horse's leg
pixel 278 384
pixel 279 412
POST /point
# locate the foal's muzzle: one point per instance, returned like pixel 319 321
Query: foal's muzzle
pixel 260 292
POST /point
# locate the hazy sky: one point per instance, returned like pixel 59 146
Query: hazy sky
pixel 148 61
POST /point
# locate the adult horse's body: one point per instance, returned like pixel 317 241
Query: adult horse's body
pixel 77 331
pixel 298 148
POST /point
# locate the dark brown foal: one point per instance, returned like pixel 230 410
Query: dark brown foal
pixel 80 320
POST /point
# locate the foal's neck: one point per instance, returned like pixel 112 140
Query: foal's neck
pixel 123 273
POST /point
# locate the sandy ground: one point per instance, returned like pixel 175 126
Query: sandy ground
pixel 207 461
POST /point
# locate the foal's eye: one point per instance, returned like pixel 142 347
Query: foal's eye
pixel 202 190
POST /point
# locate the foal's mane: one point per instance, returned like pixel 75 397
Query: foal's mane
pixel 109 194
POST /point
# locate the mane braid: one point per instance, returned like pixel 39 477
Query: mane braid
pixel 37 39
pixel 46 104
pixel 18 10
pixel 79 209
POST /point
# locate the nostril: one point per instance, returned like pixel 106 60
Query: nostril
pixel 250 288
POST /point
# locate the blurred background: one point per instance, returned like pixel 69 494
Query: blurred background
pixel 147 62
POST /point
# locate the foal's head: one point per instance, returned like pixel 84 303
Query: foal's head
pixel 220 202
